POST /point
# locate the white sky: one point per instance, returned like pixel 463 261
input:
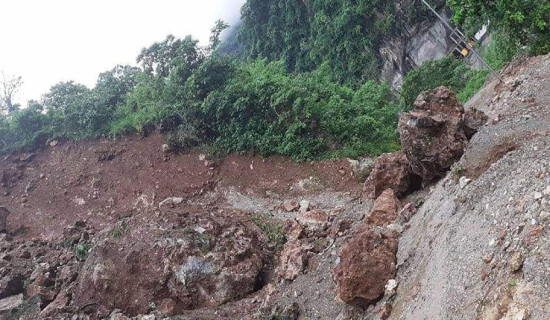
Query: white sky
pixel 48 41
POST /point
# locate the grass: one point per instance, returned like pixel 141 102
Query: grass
pixel 476 80
pixel 274 231
pixel 82 250
pixel 120 229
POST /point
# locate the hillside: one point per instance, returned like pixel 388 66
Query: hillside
pixel 333 159
pixel 101 226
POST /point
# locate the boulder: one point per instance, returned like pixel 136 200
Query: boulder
pixel 293 260
pixel 366 265
pixel 314 220
pixel 385 210
pixel 10 303
pixel 196 262
pixel 435 134
pixel 291 205
pixel 361 168
pixel 391 171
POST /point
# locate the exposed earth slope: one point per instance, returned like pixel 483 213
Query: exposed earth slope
pixel 117 229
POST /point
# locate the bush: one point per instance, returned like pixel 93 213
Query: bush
pixel 449 72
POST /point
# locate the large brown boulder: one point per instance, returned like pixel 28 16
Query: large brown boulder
pixel 434 135
pixel 367 262
pixel 391 171
pixel 199 262
pixel 385 210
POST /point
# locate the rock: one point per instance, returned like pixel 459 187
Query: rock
pixel 46 293
pixel 544 215
pixel 487 258
pixel 385 209
pixel 195 270
pixel 4 213
pixel 304 206
pixel 290 312
pixel 293 260
pixel 463 182
pixel 361 168
pixel 472 121
pixel 516 262
pixel 291 205
pixel 56 306
pixel 315 219
pixel 10 303
pixel 168 307
pixel 537 195
pixel 173 201
pixel 367 262
pixel 296 231
pixel 11 284
pixel 435 134
pixel 390 287
pixel 391 171
pixel 405 214
pixel 166 148
pixel 79 201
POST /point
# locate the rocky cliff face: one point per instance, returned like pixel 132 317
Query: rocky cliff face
pixel 414 43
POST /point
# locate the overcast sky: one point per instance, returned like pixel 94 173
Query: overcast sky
pixel 50 41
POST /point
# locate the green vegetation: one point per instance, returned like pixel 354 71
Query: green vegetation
pixel 82 250
pixel 346 34
pixel 302 81
pixel 119 230
pixel 273 231
pixel 455 74
pixel 525 22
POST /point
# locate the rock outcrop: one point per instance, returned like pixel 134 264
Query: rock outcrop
pixel 391 171
pixel 435 134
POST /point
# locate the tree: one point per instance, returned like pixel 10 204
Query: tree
pixel 161 57
pixel 113 86
pixel 215 34
pixel 10 85
pixel 526 21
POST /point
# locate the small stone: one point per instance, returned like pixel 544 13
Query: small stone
pixel 516 262
pixel 79 201
pixel 42 176
pixel 304 206
pixel 464 182
pixel 488 258
pixel 202 157
pixel 537 195
pixel 492 243
pixel 291 205
pixel 547 191
pixel 544 215
pixel 390 287
pixel 165 148
pixel 168 307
